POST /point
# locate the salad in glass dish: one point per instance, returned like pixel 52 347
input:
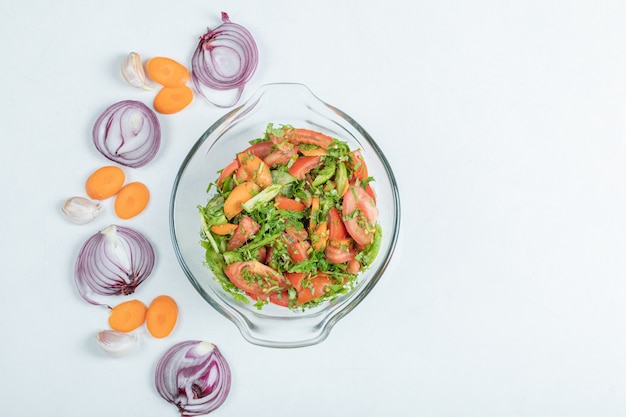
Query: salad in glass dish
pixel 292 220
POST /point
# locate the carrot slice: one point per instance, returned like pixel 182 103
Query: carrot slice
pixel 131 200
pixel 319 238
pixel 315 207
pixel 313 152
pixel 172 99
pixel 162 316
pixel 223 229
pixel 240 194
pixel 286 203
pixel 255 168
pixel 105 182
pixel 167 72
pixel 127 316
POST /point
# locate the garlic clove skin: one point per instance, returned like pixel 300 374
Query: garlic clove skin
pixel 81 210
pixel 116 343
pixel 133 72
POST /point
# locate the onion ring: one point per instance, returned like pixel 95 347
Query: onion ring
pixel 194 376
pixel 114 261
pixel 224 60
pixel 128 132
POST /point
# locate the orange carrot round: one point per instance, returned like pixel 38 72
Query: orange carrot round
pixel 172 99
pixel 167 72
pixel 286 203
pixel 127 316
pixel 131 200
pixel 161 316
pixel 105 182
pixel 223 229
pixel 239 195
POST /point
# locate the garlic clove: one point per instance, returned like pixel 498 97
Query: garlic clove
pixel 116 343
pixel 81 210
pixel 133 72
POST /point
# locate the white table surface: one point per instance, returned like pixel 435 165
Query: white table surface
pixel 505 124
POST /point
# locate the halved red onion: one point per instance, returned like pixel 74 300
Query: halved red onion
pixel 128 132
pixel 194 376
pixel 114 261
pixel 224 60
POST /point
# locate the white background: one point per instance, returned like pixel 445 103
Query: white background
pixel 505 124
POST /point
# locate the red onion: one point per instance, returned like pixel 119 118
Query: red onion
pixel 224 60
pixel 114 261
pixel 128 132
pixel 194 376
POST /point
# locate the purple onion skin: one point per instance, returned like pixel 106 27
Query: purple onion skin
pixel 99 270
pixel 194 376
pixel 118 137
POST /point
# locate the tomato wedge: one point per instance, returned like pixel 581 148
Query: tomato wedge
pixel 281 154
pixel 357 163
pixel 245 229
pixel 360 214
pixel 261 149
pixel 308 289
pixel 297 249
pixel 304 165
pixel 312 137
pixel 227 172
pixel 255 278
pixel 339 254
pixel 336 228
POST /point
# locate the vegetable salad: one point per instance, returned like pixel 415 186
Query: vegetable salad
pixel 292 220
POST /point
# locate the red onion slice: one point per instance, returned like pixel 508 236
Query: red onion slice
pixel 194 376
pixel 128 132
pixel 114 261
pixel 224 60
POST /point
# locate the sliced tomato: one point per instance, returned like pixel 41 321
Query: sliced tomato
pixel 262 254
pixel 281 154
pixel 296 249
pixel 280 298
pixel 336 228
pixel 295 278
pixel 354 266
pixel 286 203
pixel 308 289
pixel 261 149
pixel 312 137
pixel 357 163
pixel 227 172
pixel 303 165
pixel 362 224
pixel 339 254
pixel 287 136
pixel 298 233
pixel 245 229
pixel 255 278
pixel 370 191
